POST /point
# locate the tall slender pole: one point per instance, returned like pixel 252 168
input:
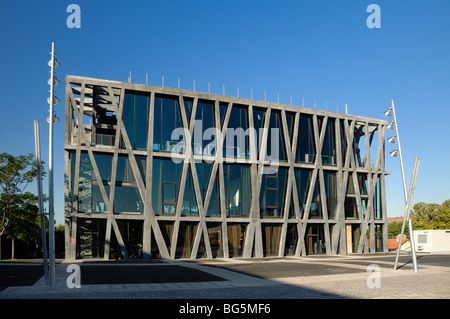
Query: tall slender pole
pixel 405 192
pixel 51 228
pixel 406 217
pixel 41 202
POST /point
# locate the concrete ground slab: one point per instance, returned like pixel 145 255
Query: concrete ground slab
pixel 324 277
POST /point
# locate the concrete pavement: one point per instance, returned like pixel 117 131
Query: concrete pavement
pixel 369 276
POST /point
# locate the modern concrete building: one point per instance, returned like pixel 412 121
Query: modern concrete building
pixel 243 178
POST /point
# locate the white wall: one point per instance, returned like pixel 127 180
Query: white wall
pixel 436 240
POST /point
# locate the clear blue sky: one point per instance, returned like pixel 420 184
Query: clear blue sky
pixel 316 50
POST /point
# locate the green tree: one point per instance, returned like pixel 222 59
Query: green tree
pixel 16 173
pixel 395 228
pixel 431 215
pixel 26 223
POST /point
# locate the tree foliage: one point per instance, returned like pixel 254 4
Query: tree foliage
pixel 431 215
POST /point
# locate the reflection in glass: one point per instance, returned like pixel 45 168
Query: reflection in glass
pixel 272 194
pixel 135 118
pixel 166 119
pixel 303 179
pixel 185 242
pixel 236 142
pixel 331 192
pixel 236 239
pixel 237 190
pixel 165 185
pixel 90 241
pixel 271 239
pixel 291 240
pixel 329 144
pixel 306 148
pixel 275 139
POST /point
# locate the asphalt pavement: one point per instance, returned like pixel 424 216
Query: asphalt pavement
pixel 365 276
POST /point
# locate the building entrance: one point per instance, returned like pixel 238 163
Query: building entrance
pixel 315 240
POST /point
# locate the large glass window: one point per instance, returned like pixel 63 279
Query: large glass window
pixel 166 118
pixel 204 120
pixel 236 239
pixel 90 198
pixel 185 242
pixel 271 239
pixel 236 143
pixel 165 185
pixel 273 190
pixel 276 150
pixel 215 239
pixel 135 118
pixel 329 144
pixel 85 184
pixel 303 179
pixel 331 192
pixel 258 122
pixel 90 241
pixel 306 147
pixel 204 175
pixel 377 200
pixel 126 196
pixel 190 206
pixel 237 189
pixel 291 240
pixel 132 232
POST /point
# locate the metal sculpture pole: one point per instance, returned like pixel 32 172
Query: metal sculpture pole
pixel 41 202
pixel 413 249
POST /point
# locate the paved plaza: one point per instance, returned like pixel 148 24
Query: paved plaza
pixel 313 277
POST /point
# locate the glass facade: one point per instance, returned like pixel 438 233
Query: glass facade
pixel 133 196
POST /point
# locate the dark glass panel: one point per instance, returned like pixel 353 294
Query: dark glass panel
pixel 343 141
pixel 90 241
pixel 350 208
pixel 276 149
pixel 124 171
pixel 271 239
pixel 316 203
pixel 167 112
pixel 135 118
pixel 104 165
pixel 222 110
pixel 315 240
pixel 185 242
pixel 237 190
pixel 214 201
pixel 306 148
pixel 85 184
pixel 258 122
pixel 303 179
pixel 331 192
pixel 273 191
pixel 98 204
pixel 215 239
pixel 132 235
pixel 190 206
pixel 377 200
pixel 236 142
pixel 329 144
pixel 236 239
pixel 204 120
pixel 291 240
pixel 165 185
pixel 127 200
